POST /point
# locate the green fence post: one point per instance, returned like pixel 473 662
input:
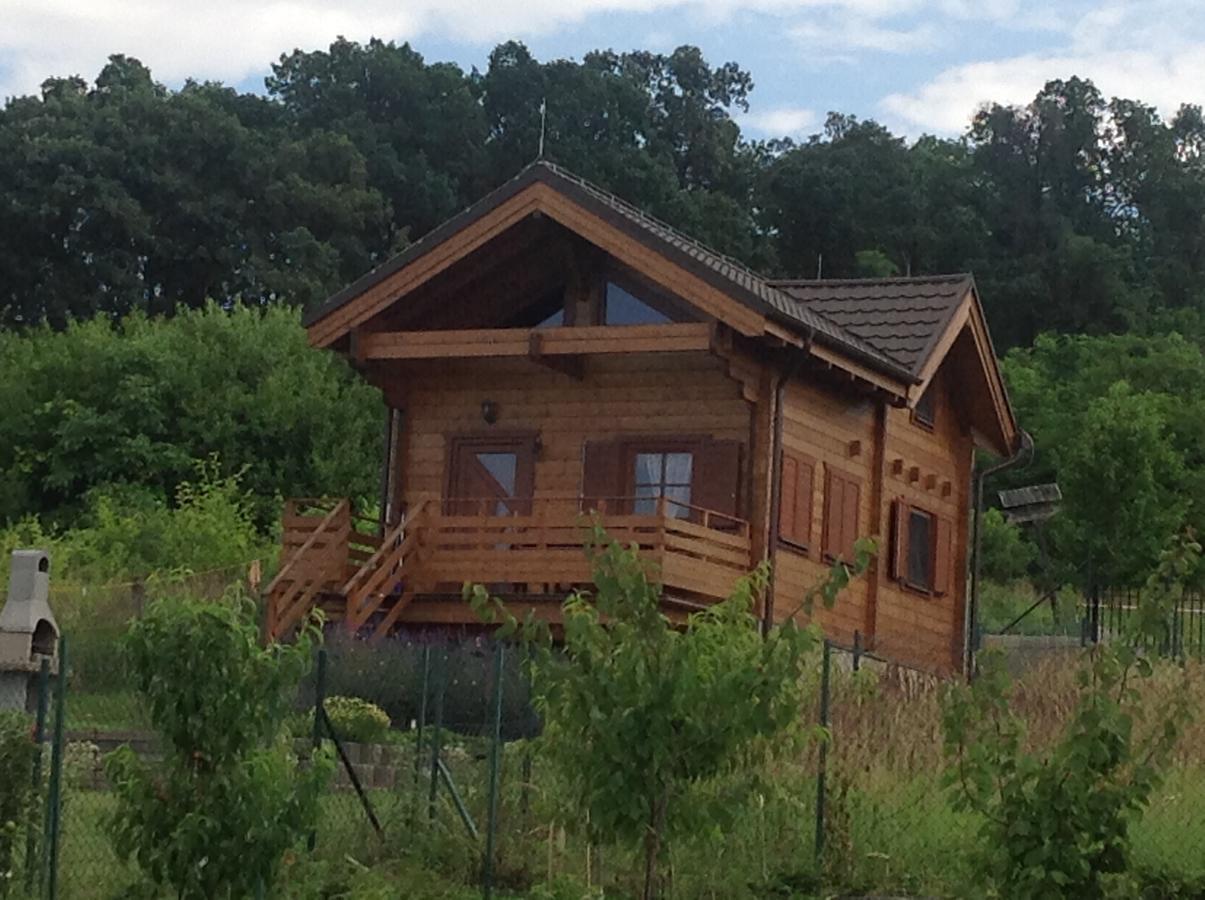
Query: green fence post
pixel 319 707
pixel 39 737
pixel 825 665
pixel 54 801
pixel 491 825
pixel 437 734
pixel 418 731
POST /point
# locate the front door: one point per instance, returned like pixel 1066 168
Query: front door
pixel 491 476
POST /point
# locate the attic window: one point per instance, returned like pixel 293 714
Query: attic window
pixel 624 308
pixel 925 412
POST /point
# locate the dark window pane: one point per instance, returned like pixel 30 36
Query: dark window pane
pixel 503 467
pixel 677 468
pixel 625 309
pixel 920 555
pixel 678 501
pixel 556 320
pixel 649 467
pixel 926 408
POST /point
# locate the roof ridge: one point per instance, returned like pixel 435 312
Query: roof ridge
pixel 612 197
pixel 951 277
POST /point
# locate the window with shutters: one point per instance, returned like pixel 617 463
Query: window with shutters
pixel 923 549
pixel 842 498
pixel 795 500
pixel 699 477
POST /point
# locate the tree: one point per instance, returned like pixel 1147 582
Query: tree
pixel 138 404
pixel 637 711
pixel 214 818
pixel 1117 421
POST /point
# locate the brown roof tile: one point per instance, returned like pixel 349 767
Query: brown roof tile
pixel 901 317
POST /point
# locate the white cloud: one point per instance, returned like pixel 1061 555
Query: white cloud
pixel 844 37
pixel 781 121
pixel 1153 51
pixel 229 40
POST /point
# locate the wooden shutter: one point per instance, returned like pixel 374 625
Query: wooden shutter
pixel 834 494
pixel 943 556
pixel 795 499
pixel 787 497
pixel 842 496
pixel 899 540
pixel 716 477
pixel 602 475
pixel 851 498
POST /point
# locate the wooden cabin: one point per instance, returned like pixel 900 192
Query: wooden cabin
pixel 553 350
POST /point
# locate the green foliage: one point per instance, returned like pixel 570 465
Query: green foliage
pixel 1056 821
pixel 1004 554
pixel 1117 422
pixel 216 815
pixel 638 713
pixel 357 720
pixel 17 795
pixel 130 410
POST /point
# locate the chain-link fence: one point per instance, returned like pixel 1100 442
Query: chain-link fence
pixel 453 782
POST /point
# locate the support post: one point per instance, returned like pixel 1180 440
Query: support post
pixel 418 731
pixel 39 737
pixel 437 734
pixel 319 712
pixel 54 803
pixel 491 825
pixel 857 650
pixel 826 662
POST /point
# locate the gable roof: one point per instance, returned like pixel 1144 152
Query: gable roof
pixel 903 318
pixel 899 329
pixel 725 273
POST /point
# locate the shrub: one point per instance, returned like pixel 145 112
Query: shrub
pixel 215 816
pixel 1056 822
pixel 639 713
pixel 357 720
pixel 17 796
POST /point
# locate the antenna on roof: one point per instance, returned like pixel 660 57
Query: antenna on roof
pixel 543 123
pixel 819 265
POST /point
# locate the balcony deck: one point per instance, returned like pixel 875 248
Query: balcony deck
pixel 533 557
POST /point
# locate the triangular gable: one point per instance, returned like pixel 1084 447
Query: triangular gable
pixel 715 285
pixel 966 344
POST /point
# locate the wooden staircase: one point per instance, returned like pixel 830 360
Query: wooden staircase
pixel 331 562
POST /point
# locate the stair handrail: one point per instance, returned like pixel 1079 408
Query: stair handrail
pixel 387 542
pixel 309 544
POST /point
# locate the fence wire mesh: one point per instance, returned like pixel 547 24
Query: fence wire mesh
pixel 864 812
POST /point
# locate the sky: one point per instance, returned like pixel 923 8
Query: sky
pixel 914 65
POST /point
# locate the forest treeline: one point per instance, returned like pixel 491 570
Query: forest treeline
pixel 125 202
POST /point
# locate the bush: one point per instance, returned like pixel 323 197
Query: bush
pixel 357 720
pixel 214 817
pixel 102 404
pixel 17 798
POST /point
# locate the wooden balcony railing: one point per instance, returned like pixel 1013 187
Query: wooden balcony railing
pixel 696 554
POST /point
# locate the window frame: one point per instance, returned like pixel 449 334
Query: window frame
pixel 943 549
pixel 926 420
pixel 929 590
pixel 663 446
pixel 673 309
